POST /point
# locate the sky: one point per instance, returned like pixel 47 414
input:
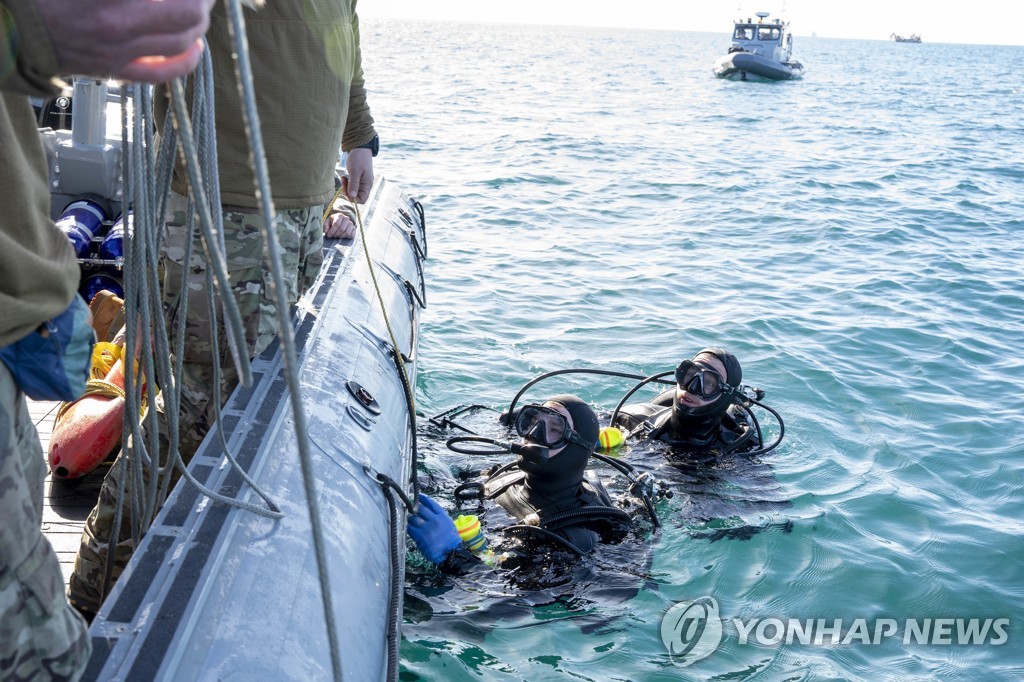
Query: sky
pixel 996 22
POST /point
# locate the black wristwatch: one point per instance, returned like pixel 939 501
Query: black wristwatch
pixel 373 145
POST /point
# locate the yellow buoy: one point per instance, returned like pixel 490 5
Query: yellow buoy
pixel 610 437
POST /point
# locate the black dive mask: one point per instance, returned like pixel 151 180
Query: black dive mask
pixel 547 427
pixel 556 478
pixel 699 379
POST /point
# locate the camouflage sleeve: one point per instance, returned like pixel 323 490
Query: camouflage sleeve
pixel 41 637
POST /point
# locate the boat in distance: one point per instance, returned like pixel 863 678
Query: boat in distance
pixel 760 51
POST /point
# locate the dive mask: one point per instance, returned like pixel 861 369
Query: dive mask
pixel 547 427
pixel 699 379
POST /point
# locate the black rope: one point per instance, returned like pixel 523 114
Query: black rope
pixel 387 482
pixel 444 419
pixel 631 475
pixel 644 381
pixel 555 537
pixel 418 207
pixel 394 602
pixel 460 493
pixel 499 447
pixel 782 428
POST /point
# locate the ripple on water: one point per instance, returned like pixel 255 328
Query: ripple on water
pixel 858 249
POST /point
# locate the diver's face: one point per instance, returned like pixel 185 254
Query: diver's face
pixel 706 361
pixel 554 428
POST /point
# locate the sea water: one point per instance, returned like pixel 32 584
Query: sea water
pixel 596 198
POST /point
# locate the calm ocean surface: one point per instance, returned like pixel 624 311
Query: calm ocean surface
pixel 596 198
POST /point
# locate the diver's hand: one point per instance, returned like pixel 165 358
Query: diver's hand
pixel 433 531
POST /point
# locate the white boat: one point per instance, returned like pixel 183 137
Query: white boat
pixel 760 51
pixel 217 592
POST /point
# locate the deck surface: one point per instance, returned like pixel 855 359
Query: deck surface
pixel 66 504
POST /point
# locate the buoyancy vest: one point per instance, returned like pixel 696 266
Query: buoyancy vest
pixel 583 520
pixel 654 421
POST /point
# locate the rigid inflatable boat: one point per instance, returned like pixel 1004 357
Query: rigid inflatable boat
pixel 760 51
pixel 216 592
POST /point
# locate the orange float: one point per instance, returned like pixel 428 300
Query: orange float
pixel 87 430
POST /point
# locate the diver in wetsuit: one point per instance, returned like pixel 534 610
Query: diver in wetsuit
pixel 546 490
pixel 702 413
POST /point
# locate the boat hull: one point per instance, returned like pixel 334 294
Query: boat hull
pixel 219 593
pixel 746 66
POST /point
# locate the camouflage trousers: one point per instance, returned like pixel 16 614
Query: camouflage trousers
pixel 300 235
pixel 41 637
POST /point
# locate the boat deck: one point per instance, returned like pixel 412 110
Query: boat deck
pixel 66 504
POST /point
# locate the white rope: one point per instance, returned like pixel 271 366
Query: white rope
pixel 147 176
pixel 147 187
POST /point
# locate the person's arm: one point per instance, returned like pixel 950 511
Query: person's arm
pixel 434 533
pixel 360 139
pixel 123 39
pixel 340 220
pixel 459 562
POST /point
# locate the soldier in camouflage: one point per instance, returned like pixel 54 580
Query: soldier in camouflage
pixel 300 235
pixel 41 638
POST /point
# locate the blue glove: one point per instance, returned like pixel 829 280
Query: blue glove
pixel 433 531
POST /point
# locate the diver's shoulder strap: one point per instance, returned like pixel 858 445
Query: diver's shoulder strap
pixel 495 486
pixel 643 420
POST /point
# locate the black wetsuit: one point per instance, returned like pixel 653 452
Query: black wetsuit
pixel 551 496
pixel 654 420
pixel 577 524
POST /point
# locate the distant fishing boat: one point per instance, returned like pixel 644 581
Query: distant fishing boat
pixel 914 38
pixel 760 51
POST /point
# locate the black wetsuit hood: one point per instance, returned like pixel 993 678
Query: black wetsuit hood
pixel 549 492
pixel 556 480
pixel 699 425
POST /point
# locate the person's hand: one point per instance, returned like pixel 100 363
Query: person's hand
pixel 338 224
pixel 134 40
pixel 359 165
pixel 433 531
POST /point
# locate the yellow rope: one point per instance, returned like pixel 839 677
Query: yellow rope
pixel 329 208
pixel 100 387
pixel 387 323
pixel 92 387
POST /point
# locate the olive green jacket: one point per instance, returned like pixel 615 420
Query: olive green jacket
pixel 308 78
pixel 38 272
